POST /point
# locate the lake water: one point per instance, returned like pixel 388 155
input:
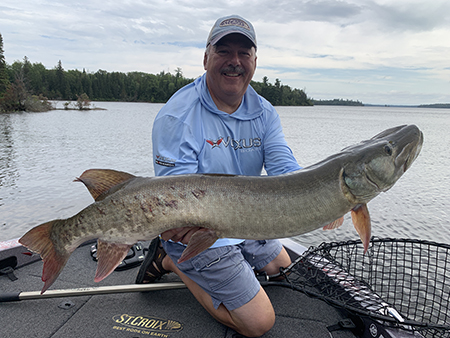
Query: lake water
pixel 42 153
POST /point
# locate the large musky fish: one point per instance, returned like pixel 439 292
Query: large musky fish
pixel 128 208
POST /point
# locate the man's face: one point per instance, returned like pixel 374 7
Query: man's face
pixel 230 66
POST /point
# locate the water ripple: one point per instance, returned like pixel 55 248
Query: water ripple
pixel 41 154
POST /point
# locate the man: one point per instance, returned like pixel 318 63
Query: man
pixel 218 124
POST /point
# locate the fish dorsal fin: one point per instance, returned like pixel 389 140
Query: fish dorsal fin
pixel 99 181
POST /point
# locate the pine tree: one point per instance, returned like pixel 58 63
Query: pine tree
pixel 4 81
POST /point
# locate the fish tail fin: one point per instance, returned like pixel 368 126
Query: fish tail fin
pixel 38 240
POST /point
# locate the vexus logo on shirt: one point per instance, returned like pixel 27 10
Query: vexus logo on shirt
pixel 235 144
pixel 215 143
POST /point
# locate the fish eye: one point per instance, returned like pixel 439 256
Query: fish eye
pixel 388 149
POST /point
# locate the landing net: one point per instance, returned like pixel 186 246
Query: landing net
pixel 402 282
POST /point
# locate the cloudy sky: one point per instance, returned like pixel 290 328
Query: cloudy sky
pixel 374 51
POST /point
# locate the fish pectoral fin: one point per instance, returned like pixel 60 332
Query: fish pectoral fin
pixel 109 257
pixel 99 181
pixel 335 224
pixel 361 221
pixel 39 240
pixel 200 241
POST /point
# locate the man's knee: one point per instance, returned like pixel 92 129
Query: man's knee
pixel 256 317
pixel 259 327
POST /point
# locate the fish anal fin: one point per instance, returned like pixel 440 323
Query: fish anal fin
pixel 109 257
pixel 38 240
pixel 335 224
pixel 99 181
pixel 361 221
pixel 200 241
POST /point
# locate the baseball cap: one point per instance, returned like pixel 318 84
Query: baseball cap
pixel 231 24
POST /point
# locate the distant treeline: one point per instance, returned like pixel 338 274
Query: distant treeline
pixel 436 105
pixel 337 102
pixel 60 84
pixel 281 95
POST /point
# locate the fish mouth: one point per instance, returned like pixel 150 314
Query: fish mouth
pixel 409 153
pixel 367 177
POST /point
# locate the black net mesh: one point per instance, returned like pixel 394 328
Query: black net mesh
pixel 402 282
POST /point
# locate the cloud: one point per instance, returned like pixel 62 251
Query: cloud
pixel 345 48
pixel 330 10
pixel 413 16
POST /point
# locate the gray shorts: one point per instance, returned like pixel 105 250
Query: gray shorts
pixel 226 273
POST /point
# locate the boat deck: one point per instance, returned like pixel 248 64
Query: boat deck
pixel 166 313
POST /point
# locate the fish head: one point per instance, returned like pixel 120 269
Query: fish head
pixel 379 162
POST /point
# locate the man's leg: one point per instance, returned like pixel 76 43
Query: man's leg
pixel 252 319
pixel 281 261
pixel 265 255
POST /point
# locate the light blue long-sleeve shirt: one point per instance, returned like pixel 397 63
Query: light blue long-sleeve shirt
pixel 190 135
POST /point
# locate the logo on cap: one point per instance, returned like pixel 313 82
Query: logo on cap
pixel 235 22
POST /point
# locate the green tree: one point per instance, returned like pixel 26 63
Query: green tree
pixel 62 89
pixel 14 98
pixel 178 75
pixel 36 79
pixel 86 83
pixel 4 78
